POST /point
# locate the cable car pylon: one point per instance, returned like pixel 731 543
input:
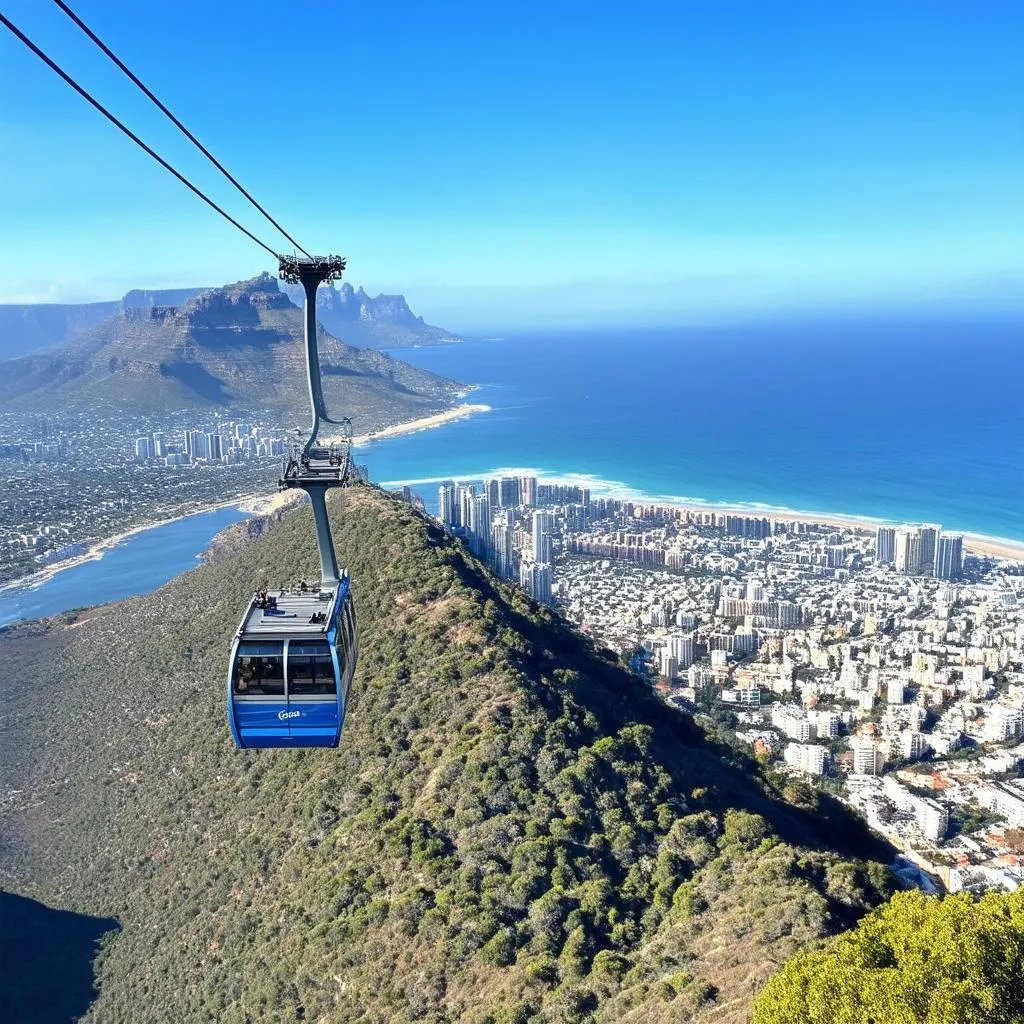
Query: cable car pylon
pixel 295 652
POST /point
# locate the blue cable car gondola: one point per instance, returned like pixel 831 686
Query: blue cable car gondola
pixel 292 664
pixel 294 655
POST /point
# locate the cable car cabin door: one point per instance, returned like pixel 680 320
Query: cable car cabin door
pixel 259 707
pixel 314 704
pixel 267 713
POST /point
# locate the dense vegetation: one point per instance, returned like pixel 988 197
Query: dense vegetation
pixel 514 828
pixel 917 960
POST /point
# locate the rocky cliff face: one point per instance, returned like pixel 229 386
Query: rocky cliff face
pixel 238 347
pixel 36 327
pixel 384 321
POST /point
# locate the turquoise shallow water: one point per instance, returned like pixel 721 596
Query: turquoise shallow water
pixel 905 421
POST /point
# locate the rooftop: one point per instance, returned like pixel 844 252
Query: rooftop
pixel 292 614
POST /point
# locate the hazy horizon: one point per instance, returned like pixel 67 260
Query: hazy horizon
pixel 514 166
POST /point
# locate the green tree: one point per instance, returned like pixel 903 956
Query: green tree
pixel 916 960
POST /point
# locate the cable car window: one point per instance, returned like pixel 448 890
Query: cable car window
pixel 259 669
pixel 310 669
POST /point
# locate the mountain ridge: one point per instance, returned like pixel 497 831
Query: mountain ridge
pixel 513 829
pixel 382 322
pixel 237 347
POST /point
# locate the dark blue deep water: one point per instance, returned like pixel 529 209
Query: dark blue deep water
pixel 900 420
pixel 897 421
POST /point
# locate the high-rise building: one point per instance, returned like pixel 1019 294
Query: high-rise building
pixel 143 448
pixel 932 818
pixel 929 549
pixel 916 549
pixel 492 488
pixel 867 758
pixel 908 552
pixel 914 744
pixel 501 545
pixel 448 504
pixel 668 666
pixel 508 492
pixel 480 526
pixel 213 447
pixel 808 758
pixel 680 646
pixel 195 445
pixel 541 546
pixel 949 557
pixel 535 579
pixel 528 490
pixel 835 556
pixel 885 545
pixel 159 444
pixel 466 498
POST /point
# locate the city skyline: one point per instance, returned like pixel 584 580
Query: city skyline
pixel 820 160
pixel 866 661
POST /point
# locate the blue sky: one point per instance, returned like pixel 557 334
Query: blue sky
pixel 534 163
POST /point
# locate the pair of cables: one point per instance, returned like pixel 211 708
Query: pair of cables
pixel 85 94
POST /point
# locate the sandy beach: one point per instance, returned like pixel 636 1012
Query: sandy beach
pixel 975 543
pixel 425 423
pixel 254 504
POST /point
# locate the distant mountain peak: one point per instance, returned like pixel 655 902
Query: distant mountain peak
pixel 261 292
pixel 381 321
pixel 239 346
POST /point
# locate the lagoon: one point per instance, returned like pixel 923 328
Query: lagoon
pixel 141 563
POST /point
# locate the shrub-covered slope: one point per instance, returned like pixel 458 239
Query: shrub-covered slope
pixel 513 828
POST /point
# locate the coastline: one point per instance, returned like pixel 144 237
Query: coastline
pixel 259 503
pixel 975 543
pixel 252 504
pixel 438 419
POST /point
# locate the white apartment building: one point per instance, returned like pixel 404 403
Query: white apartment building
pixel 808 758
pixel 867 758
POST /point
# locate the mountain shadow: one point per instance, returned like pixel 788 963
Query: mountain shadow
pixel 514 828
pixel 46 961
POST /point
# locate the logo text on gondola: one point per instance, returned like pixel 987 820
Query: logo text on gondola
pixel 289 714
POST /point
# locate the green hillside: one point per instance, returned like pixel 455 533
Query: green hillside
pixel 513 829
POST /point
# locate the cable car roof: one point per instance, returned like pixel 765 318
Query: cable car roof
pixel 292 615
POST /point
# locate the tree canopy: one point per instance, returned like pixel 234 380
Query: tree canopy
pixel 916 960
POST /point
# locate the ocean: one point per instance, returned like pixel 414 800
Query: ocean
pixel 898 420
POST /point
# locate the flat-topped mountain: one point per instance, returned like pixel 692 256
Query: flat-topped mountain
pixel 351 315
pixel 514 828
pixel 237 347
pixel 34 327
pixel 385 321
